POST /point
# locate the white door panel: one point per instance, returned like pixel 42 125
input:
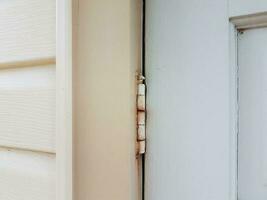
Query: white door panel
pixel 241 7
pixel 187 77
pixel 252 140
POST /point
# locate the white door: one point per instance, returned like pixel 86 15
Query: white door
pixel 187 75
pixel 252 139
pixel 190 121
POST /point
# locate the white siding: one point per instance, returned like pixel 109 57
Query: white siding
pixel 27 100
pixel 27 30
pixel 26 175
pixel 27 105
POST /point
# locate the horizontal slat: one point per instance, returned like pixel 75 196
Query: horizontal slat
pixel 26 175
pixel 27 30
pixel 27 108
pixel 28 63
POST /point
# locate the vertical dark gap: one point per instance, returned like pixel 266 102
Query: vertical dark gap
pixel 144 74
pixel 143 37
pixel 143 177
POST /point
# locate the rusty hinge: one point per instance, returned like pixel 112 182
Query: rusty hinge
pixel 141 115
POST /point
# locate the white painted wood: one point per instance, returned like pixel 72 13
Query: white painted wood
pixel 187 73
pixel 28 108
pixel 64 101
pixel 233 119
pixel 246 7
pixel 26 175
pixel 27 30
pixel 252 140
pixel 28 100
pixel 250 21
pixel 104 99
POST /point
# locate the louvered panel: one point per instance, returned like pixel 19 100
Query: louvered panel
pixel 26 175
pixel 27 108
pixel 27 30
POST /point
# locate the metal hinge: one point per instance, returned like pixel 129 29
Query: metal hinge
pixel 141 115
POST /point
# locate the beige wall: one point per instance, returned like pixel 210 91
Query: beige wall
pixel 106 45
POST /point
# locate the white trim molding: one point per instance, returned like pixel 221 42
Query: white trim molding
pixel 255 20
pixel 64 100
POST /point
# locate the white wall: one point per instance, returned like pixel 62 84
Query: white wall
pixel 245 7
pixel 188 100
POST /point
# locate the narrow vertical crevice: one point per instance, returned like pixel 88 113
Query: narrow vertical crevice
pixel 143 71
pixel 143 37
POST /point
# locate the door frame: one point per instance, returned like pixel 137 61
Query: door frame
pixel 251 21
pixel 64 100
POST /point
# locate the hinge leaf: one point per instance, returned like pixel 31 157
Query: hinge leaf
pixel 141 115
